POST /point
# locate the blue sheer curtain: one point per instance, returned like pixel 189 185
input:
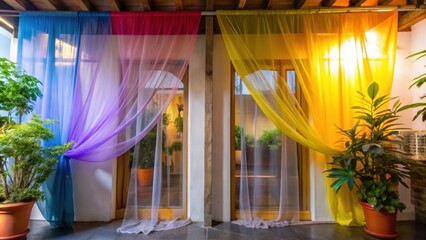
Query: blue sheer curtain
pixel 49 49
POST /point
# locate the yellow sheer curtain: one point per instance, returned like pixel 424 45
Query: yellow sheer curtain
pixel 334 55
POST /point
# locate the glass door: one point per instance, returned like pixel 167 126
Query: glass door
pixel 173 171
pixel 269 169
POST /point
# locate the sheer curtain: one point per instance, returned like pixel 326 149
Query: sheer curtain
pixel 334 55
pixel 154 50
pixel 268 172
pixel 47 49
pixel 113 79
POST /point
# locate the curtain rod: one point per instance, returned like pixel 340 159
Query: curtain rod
pixel 399 8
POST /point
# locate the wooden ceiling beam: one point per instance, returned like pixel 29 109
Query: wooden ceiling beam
pixel 209 5
pixel 356 3
pixel 408 19
pixel 146 4
pixel 241 4
pixel 115 5
pixel 20 5
pixel 299 4
pixel 384 2
pixel 268 4
pixel 179 5
pixel 327 3
pixel 85 5
pixel 54 5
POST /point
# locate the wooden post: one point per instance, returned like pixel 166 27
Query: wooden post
pixel 208 118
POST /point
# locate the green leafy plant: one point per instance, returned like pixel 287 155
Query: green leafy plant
pixel 418 82
pixel 24 163
pixel 271 139
pixel 178 122
pixel 370 161
pixel 237 137
pixel 165 119
pixel 180 109
pixel 31 163
pixel 18 90
pixel 146 150
pixel 175 147
pixel 248 138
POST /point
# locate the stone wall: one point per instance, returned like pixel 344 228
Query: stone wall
pixel 418 191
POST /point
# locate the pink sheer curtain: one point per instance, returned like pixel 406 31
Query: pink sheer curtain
pixel 154 50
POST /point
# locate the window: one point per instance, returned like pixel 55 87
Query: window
pixel 263 146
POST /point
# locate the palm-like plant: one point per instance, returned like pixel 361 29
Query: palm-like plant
pixel 370 160
pixel 418 82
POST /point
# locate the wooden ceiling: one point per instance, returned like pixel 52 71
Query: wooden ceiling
pixel 410 11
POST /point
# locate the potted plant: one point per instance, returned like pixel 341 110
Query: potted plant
pixel 237 132
pixel 370 162
pixel 271 139
pixel 270 144
pixel 179 120
pixel 24 162
pixel 248 143
pixel 146 158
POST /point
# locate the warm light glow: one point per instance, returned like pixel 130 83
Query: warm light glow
pixel 351 53
pixel 64 50
pixel 65 53
pixel 6 23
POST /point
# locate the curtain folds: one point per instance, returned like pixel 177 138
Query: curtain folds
pixel 47 49
pixel 154 50
pixel 268 170
pixel 334 56
pixel 103 78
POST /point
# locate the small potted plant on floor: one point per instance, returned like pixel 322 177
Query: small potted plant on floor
pixel 370 162
pixel 24 162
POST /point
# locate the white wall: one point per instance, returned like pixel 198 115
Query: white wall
pixel 400 89
pixel 418 43
pixel 5 43
pixel 221 178
pixel 94 191
pixel 196 132
pixel 94 194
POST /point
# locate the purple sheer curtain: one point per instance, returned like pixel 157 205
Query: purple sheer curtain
pixel 119 78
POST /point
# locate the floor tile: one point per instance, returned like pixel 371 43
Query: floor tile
pixel 41 230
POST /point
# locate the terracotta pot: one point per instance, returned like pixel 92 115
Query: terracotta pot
pixel 379 224
pixel 145 176
pixel 238 157
pixel 14 219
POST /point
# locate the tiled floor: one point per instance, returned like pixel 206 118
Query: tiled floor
pixel 408 230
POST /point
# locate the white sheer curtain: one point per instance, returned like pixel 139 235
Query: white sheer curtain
pixel 154 50
pixel 268 184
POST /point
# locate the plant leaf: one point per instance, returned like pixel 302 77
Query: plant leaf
pixel 373 90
